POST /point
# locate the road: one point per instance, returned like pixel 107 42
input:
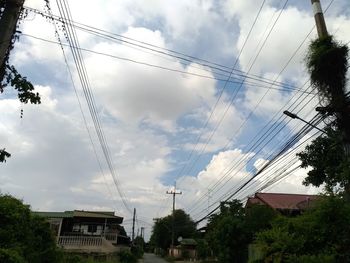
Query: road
pixel 151 258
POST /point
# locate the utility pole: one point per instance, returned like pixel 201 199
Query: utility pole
pixel 319 19
pixel 173 193
pixel 142 232
pixel 133 226
pixel 8 24
pixel 143 236
pixel 338 99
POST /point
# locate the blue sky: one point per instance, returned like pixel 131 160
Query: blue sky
pixel 156 121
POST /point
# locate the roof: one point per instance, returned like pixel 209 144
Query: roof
pixel 65 214
pixel 79 213
pixel 188 241
pixel 282 201
pixel 94 214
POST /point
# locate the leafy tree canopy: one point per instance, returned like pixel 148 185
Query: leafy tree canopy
pixel 162 229
pixel 9 76
pixel 328 162
pixel 23 236
pixel 322 234
pixel 230 232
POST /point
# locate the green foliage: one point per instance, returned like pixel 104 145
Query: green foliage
pixel 203 249
pixel 185 254
pixel 230 232
pixel 9 76
pixel 330 166
pixel 10 256
pixel 3 155
pixel 327 63
pixel 23 235
pixel 137 249
pixel 162 229
pixel 24 88
pixel 25 91
pixel 126 256
pixel 323 232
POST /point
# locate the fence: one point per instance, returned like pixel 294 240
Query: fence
pixel 79 241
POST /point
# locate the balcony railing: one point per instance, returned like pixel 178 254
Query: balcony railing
pixel 80 241
pixel 110 237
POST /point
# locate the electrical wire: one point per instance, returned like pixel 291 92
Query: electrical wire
pixel 83 76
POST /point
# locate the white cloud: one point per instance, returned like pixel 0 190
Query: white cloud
pixel 146 112
pixel 134 92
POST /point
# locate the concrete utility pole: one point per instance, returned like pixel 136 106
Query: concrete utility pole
pixel 319 19
pixel 133 226
pixel 8 24
pixel 341 106
pixel 142 232
pixel 173 193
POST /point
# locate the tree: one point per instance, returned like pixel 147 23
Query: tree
pixel 231 231
pixel 23 236
pixel 329 164
pixel 322 234
pixel 328 156
pixel 9 76
pixel 162 229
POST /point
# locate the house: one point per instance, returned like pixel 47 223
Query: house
pixel 186 249
pixel 286 204
pixel 87 231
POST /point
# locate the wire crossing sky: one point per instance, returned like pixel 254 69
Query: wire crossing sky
pixel 137 95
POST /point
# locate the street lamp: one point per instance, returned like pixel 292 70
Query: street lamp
pixel 294 116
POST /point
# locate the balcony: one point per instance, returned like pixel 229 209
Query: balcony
pixel 88 244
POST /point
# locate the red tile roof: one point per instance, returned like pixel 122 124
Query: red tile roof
pixel 282 201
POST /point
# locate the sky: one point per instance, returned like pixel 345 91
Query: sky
pixel 190 92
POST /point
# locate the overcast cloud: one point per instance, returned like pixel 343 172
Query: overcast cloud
pixel 170 120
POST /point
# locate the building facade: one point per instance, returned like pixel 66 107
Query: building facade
pixel 87 231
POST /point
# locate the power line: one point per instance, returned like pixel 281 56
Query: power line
pixel 80 106
pixel 249 84
pixel 202 197
pixel 306 128
pixel 266 138
pixel 167 52
pixel 83 76
pixel 235 94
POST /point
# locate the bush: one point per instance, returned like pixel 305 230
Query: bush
pixel 10 256
pixel 23 236
pixel 126 256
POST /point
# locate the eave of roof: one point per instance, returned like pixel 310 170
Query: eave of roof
pixel 66 214
pixel 94 214
pixel 80 213
pixel 285 201
pixel 188 241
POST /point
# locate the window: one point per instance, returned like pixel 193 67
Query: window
pixel 92 228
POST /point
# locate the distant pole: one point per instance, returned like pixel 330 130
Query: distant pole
pixel 142 232
pixel 143 236
pixel 319 19
pixel 173 193
pixel 8 24
pixel 133 226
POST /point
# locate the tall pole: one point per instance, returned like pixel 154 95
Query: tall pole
pixel 142 232
pixel 339 101
pixel 133 226
pixel 143 236
pixel 8 24
pixel 319 19
pixel 173 193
